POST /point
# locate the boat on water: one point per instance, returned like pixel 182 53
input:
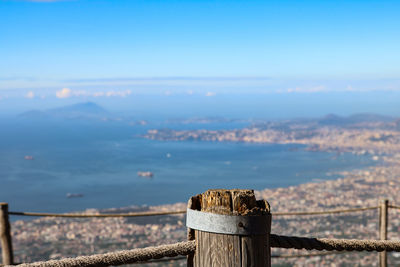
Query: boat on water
pixel 27 157
pixel 146 174
pixel 74 195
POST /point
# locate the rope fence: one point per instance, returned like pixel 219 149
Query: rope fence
pixel 84 215
pixel 159 213
pixel 323 212
pixel 330 244
pixel 189 247
pixel 394 207
pixel 121 257
pixel 155 254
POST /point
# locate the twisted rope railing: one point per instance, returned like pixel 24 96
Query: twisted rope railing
pixel 285 256
pixel 394 207
pixel 330 244
pixel 156 213
pixel 121 257
pixel 324 212
pixel 85 215
pixel 189 247
pixel 146 254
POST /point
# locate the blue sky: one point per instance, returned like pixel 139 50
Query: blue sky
pixel 89 48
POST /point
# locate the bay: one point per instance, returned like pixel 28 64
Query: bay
pixel 101 161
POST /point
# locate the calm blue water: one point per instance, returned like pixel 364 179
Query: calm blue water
pixel 101 161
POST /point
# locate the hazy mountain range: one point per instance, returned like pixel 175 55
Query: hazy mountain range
pixel 93 111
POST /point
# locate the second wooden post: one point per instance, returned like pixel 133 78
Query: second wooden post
pixel 5 235
pixel 231 229
pixel 383 224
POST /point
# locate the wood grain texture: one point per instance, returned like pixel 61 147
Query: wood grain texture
pixel 203 255
pixel 222 250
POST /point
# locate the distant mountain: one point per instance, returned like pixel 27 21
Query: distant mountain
pixel 371 117
pixel 331 119
pixel 335 120
pixel 88 110
pixel 359 120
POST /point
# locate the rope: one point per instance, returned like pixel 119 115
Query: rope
pixel 83 215
pixel 155 213
pixel 394 207
pixel 121 257
pixel 323 212
pixel 187 248
pixel 278 241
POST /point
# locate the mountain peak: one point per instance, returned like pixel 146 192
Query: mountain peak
pixel 86 107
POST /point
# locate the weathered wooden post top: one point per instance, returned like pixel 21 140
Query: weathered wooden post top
pixel 231 228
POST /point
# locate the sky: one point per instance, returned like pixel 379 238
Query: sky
pixel 58 50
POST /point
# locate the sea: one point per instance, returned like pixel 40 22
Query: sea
pixel 99 162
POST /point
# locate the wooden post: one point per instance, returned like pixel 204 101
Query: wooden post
pixel 383 224
pixel 5 235
pixel 233 250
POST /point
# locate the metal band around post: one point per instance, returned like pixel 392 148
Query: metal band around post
pixel 227 224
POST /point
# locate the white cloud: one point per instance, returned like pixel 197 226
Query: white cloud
pixel 64 93
pixel 210 94
pixel 117 93
pixel 30 95
pixel 315 89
